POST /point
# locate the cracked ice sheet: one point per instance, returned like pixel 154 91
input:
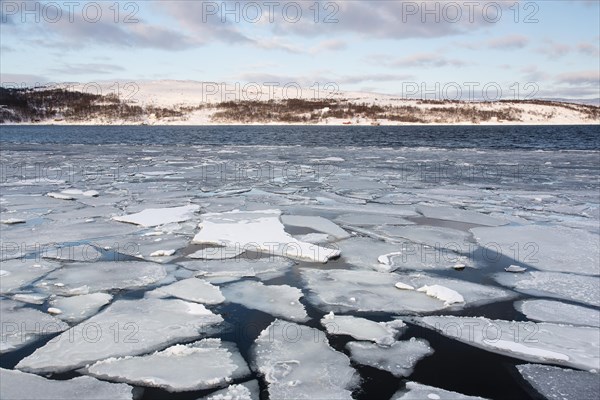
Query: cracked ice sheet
pixel 84 278
pixel 160 216
pixel 298 363
pixel 555 249
pixel 278 300
pixel 262 268
pixel 386 257
pixel 417 391
pixel 142 326
pixel 260 231
pixel 17 385
pixel 433 236
pixel 77 308
pixel 459 215
pixel 22 325
pixel 202 365
pixel 244 391
pixel 361 328
pixel 580 288
pixel 17 273
pixel 319 224
pixel 192 289
pixel 556 383
pixel 572 346
pixel 344 290
pixel 399 358
pixel 555 311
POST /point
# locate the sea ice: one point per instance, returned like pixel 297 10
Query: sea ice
pixel 345 290
pixel 262 268
pixel 364 219
pixel 260 231
pixel 433 236
pixel 278 300
pixel 448 296
pixel 244 391
pixel 84 278
pixel 192 289
pixel 18 273
pixel 459 215
pixel 548 248
pixel 201 365
pixel 515 269
pixel 126 327
pixel 298 363
pixel 319 224
pixel 78 308
pixel 580 288
pixel 22 325
pixel 418 391
pixel 361 328
pixel 558 312
pixel 217 253
pixel 399 358
pixel 573 346
pixel 17 385
pixel 160 216
pixel 556 383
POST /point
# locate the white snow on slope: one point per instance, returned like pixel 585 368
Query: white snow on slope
pixel 298 363
pixel 260 231
pixel 201 365
pixel 17 385
pixel 140 326
pixel 160 216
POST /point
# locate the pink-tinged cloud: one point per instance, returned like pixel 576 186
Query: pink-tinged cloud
pixel 590 77
pixel 509 42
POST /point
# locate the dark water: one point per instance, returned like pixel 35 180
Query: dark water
pixel 573 137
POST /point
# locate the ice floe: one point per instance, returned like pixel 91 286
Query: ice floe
pixel 418 391
pixel 298 363
pixel 78 308
pixel 278 300
pixel 17 385
pixel 581 288
pixel 217 253
pixel 84 278
pixel 459 215
pixel 260 231
pixel 547 248
pixel 556 383
pixel 160 216
pixel 125 328
pixel 399 358
pixel 18 273
pixel 432 236
pixel 556 311
pixel 192 289
pixel 262 268
pixel 361 328
pixel 244 391
pixel 202 365
pixel 573 346
pixel 319 224
pixel 448 296
pixel 22 325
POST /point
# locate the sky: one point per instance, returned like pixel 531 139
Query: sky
pixel 425 49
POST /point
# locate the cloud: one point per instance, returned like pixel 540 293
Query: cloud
pixel 423 60
pixel 509 42
pixel 554 49
pixel 590 77
pixel 589 49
